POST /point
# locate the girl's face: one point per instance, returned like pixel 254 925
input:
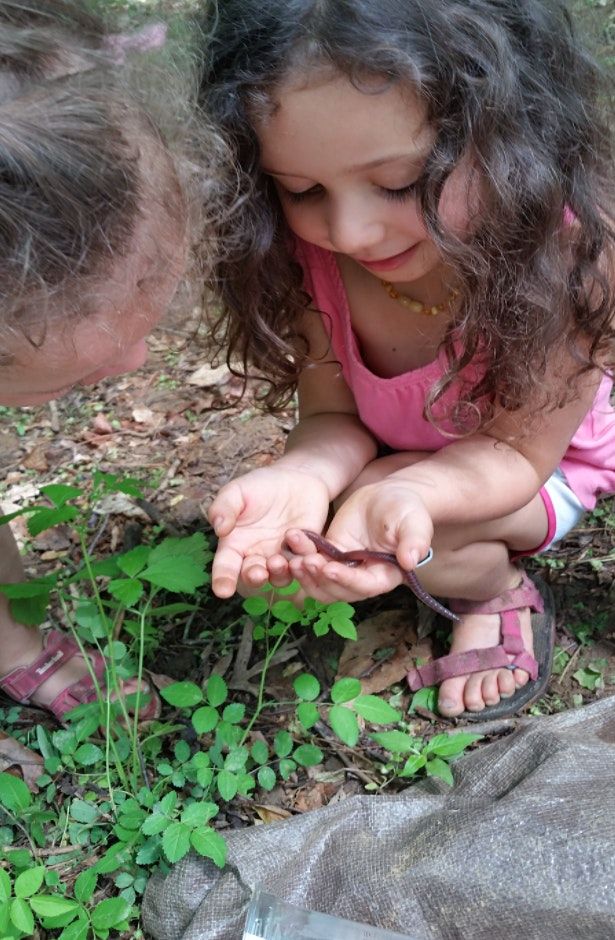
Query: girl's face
pixel 111 339
pixel 345 164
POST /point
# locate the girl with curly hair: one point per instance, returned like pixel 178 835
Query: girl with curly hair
pixel 425 249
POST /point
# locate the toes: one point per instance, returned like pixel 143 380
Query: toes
pixel 450 697
pixel 473 692
pixel 521 677
pixel 490 687
pixel 506 683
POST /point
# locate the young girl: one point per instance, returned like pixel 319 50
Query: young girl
pixel 427 253
pixel 94 231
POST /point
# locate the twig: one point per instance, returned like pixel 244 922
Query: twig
pixel 352 768
pixel 54 416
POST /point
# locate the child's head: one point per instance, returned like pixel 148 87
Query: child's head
pixel 507 96
pixel 93 212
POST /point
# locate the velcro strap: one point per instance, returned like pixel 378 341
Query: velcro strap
pixel 526 661
pixel 21 683
pixel 457 664
pixel 526 594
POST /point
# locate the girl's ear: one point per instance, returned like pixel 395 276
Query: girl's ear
pixel 148 37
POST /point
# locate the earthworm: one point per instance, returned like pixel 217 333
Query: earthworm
pixel 366 554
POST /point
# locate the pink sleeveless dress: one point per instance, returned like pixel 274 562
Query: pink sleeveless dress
pixel 392 408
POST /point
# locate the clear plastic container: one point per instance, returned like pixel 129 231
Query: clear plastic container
pixel 272 919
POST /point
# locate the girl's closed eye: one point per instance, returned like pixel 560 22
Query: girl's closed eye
pixel 399 195
pixel 300 196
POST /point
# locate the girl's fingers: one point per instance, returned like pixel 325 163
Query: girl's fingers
pixel 226 509
pixel 254 571
pixel 299 543
pixel 279 572
pixel 225 571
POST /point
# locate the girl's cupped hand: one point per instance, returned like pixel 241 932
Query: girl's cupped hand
pixel 384 517
pixel 251 515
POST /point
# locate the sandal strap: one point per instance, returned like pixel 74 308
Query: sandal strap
pixel 23 681
pixel 507 605
pixel 526 594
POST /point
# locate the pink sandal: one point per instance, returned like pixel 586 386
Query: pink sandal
pixel 21 683
pixel 533 594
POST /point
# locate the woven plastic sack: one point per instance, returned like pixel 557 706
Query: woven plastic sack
pixel 523 846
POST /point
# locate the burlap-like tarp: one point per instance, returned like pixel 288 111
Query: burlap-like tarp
pixel 523 846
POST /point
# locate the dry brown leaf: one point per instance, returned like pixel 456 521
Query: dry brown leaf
pixel 16 757
pixel 270 814
pixel 101 424
pixel 36 458
pixel 206 376
pixel 391 631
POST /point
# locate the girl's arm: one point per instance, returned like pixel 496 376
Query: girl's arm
pixel 484 477
pixel 325 452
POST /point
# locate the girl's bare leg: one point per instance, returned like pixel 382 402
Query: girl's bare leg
pixel 472 562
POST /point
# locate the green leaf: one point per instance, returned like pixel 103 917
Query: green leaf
pixel 205 719
pixel 5 918
pixel 307 687
pixel 259 752
pixel 397 742
pixel 199 814
pixel 345 690
pixel 286 611
pixel 88 754
pixel 21 916
pixel 414 763
pixel 227 784
pixel 344 722
pixel 78 930
pixel 47 518
pixel 5 886
pixel 450 745
pixel 255 606
pixel 52 905
pixel 425 698
pixel 287 767
pixel 266 778
pixel 217 691
pixel 109 913
pixel 85 885
pixel 308 714
pixel 14 793
pixel 176 841
pixel 60 493
pixel 439 768
pixel 29 881
pixel 236 759
pixel 282 744
pixel 182 694
pixel 32 611
pixel 234 713
pixel 178 564
pixel 126 590
pixel 344 628
pixel 182 751
pixel 154 824
pixel 84 812
pixel 308 755
pixel 209 843
pixel 376 710
pixel 132 562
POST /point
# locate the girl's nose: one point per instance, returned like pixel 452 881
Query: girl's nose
pixel 354 229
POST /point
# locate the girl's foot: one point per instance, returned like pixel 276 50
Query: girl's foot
pixel 58 675
pixel 475 692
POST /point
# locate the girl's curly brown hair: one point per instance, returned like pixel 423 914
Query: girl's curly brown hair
pixel 505 81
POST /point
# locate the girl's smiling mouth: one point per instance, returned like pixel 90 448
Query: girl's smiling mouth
pixel 388 264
